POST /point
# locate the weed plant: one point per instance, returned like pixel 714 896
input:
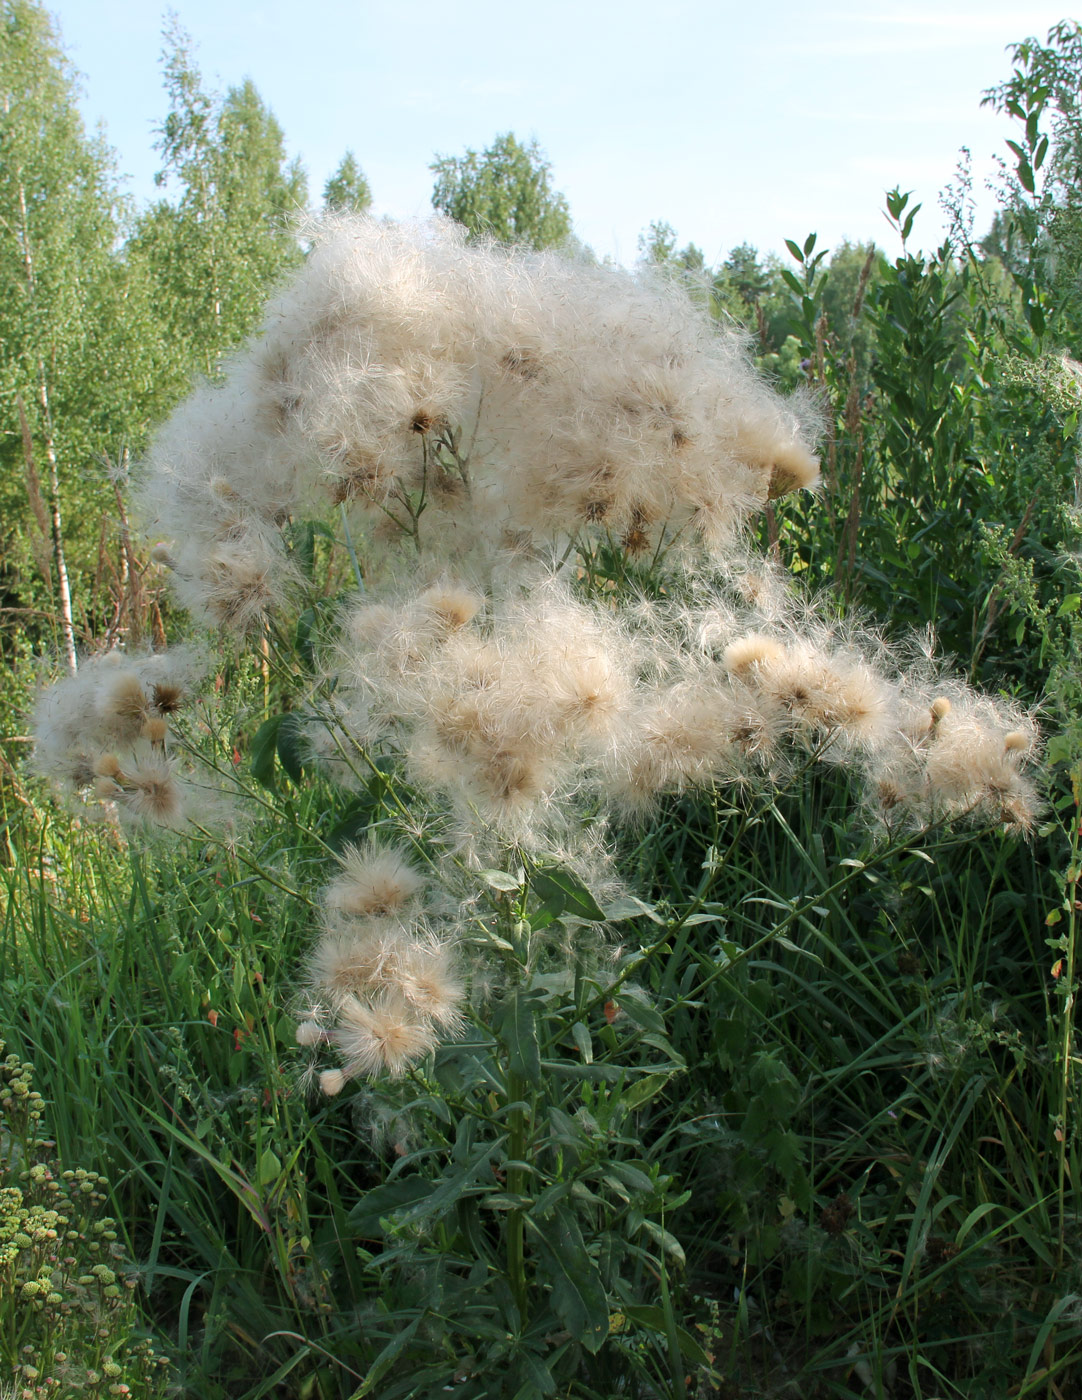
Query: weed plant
pixel 774 1098
pixel 70 1323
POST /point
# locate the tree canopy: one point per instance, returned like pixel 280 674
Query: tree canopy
pixel 347 190
pixel 504 192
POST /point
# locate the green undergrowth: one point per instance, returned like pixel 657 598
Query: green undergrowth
pixel 800 1123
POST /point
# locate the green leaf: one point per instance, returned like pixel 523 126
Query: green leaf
pixel 539 1378
pixel 633 1177
pixel 578 1294
pixel 304 635
pixel 644 1089
pixel 564 893
pixel 641 1013
pixel 975 1215
pixel 387 1357
pixel 611 1074
pixel 791 282
pixel 581 1037
pixel 354 821
pixel 794 248
pixel 263 748
pixel 629 907
pixel 809 244
pixel 290 731
pixel 270 1168
pixel 519 1032
pixel 653 1319
pixel 381 1201
pixel 666 1240
pixel 500 880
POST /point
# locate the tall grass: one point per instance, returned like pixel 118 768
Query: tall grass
pixel 802 1129
pixel 799 1121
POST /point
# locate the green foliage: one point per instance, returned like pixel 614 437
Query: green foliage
pixel 1038 234
pixel 211 254
pixel 799 1118
pixel 100 333
pixel 70 1314
pixel 63 373
pixel 949 457
pixel 504 192
pixel 812 1086
pixel 658 247
pixel 347 190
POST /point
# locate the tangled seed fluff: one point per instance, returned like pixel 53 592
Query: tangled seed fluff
pixel 513 432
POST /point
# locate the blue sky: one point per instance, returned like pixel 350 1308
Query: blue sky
pixel 732 121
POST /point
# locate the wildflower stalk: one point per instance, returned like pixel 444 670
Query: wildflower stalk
pixel 350 550
pixel 519 937
pixel 516 1186
pixel 1068 943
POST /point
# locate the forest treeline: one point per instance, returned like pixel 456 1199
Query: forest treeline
pixel 109 313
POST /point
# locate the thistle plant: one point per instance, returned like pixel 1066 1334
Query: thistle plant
pixel 540 472
pixel 559 457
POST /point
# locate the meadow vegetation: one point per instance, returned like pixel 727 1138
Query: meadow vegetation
pixel 571 912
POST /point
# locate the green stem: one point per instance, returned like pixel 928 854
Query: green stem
pixel 352 552
pixel 516 1186
pixel 1067 1026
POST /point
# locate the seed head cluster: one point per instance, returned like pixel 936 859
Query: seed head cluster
pixel 464 400
pixel 496 425
pixel 382 979
pixel 547 706
pixel 107 731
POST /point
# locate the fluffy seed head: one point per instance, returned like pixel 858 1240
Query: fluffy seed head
pixel 122 704
pixel 151 793
pixel 352 961
pixel 754 650
pixel 167 697
pixel 454 606
pixel 427 978
pixel 154 730
pixel 375 880
pixel 161 554
pixel 332 1082
pixel 381 1034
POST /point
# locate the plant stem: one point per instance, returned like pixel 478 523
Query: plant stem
pixel 516 1185
pixel 1067 1025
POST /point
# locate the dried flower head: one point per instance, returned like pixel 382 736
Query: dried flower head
pixel 332 1082
pixel 384 1034
pixel 375 880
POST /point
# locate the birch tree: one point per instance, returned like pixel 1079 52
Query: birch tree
pixel 58 227
pixel 221 235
